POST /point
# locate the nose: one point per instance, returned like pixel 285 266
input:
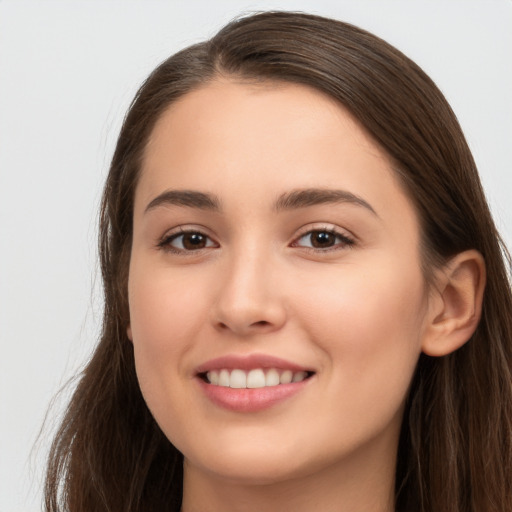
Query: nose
pixel 249 299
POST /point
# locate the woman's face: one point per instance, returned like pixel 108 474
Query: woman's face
pixel 272 242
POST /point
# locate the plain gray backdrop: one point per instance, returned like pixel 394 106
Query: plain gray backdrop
pixel 68 71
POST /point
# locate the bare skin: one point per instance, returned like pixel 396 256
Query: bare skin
pixel 267 222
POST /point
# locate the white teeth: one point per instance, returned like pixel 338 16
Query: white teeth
pixel 299 376
pixel 238 379
pixel 257 378
pixel 224 378
pixel 286 377
pixel 272 378
pixel 213 377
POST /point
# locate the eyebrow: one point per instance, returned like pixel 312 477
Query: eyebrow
pixel 188 198
pixel 293 200
pixel 314 196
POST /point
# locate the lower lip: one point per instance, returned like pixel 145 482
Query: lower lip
pixel 251 400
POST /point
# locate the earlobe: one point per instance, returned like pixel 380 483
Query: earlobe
pixel 129 333
pixel 456 304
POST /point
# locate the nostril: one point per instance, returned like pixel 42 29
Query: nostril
pixel 245 320
pixel 261 323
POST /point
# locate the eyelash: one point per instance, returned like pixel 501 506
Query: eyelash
pixel 344 241
pixel 166 241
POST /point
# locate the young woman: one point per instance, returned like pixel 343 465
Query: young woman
pixel 307 303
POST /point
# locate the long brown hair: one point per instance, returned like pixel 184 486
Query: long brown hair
pixel 455 450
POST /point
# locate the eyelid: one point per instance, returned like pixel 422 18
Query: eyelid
pixel 164 242
pixel 349 240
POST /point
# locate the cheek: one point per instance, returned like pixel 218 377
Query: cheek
pixel 369 325
pixel 354 303
pixel 164 316
pixel 162 306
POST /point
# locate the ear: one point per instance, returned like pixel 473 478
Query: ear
pixel 455 304
pixel 129 333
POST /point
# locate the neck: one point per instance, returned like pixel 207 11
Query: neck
pixel 357 485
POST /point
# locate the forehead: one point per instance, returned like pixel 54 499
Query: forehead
pixel 238 138
pixel 264 118
pixel 261 109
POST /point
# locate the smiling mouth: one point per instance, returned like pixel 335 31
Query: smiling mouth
pixel 253 379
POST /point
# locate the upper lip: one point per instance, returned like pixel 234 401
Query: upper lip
pixel 249 362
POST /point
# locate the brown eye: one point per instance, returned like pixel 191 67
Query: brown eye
pixel 323 239
pixel 193 241
pixel 188 241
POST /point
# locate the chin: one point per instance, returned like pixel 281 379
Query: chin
pixel 258 465
pixel 256 473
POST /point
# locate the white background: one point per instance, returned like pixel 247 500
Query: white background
pixel 67 73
